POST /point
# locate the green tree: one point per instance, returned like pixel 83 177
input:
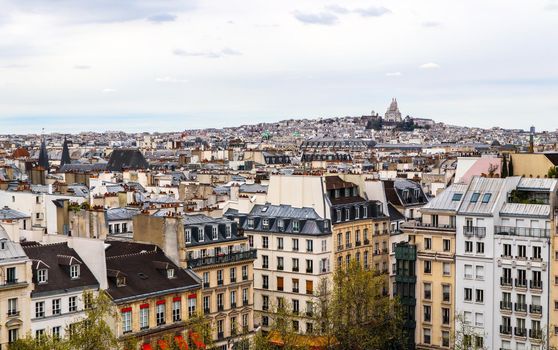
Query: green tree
pixel 467 337
pixel 552 172
pixel 46 342
pixel 510 167
pixel 204 328
pixel 358 314
pixel 504 166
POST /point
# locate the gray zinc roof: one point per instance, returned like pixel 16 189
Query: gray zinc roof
pixel 10 214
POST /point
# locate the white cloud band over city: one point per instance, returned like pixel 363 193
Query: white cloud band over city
pixel 161 65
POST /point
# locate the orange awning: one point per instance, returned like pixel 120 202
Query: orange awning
pixel 163 344
pixel 182 344
pixel 146 347
pixel 196 338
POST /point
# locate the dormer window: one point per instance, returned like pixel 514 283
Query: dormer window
pixel 338 215
pixel 280 224
pixel 365 212
pixel 121 281
pixel 357 212
pixel 326 224
pixel 188 236
pixel 296 226
pixel 214 232
pixel 42 276
pixel 347 192
pixel 200 235
pixel 347 214
pixel 228 229
pixel 170 273
pixel 265 223
pixel 3 244
pixel 74 271
pixel 250 223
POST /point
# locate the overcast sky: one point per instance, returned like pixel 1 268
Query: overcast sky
pixel 73 65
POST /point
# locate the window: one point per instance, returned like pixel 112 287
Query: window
pixel 427 291
pixel 39 309
pixel 446 245
pixel 126 321
pixel 280 264
pixel 468 247
pixel 160 314
pixel 220 328
pixel 347 214
pixel 265 281
pixel 42 276
pixel 279 283
pixel 228 231
pixel 13 335
pixel 445 339
pixel 56 332
pixel 265 242
pixel 251 241
pixel 486 197
pixel 309 266
pixel 521 251
pixel 479 272
pixel 11 275
pixel 468 294
pixel 456 197
pixel 309 245
pixel 338 215
pixel 446 268
pixel 144 316
pixel 265 261
pixel 468 271
pixel 536 252
pixel 124 227
pixel 479 319
pixel 250 223
pixel 309 287
pixel 12 307
pixel 309 327
pixel 324 245
pixel 446 293
pixel 427 313
pixel 72 304
pixel 244 272
pixel 479 296
pixel 56 306
pixel 427 266
pixel 295 285
pixel 280 243
pixel 265 302
pixel 480 248
pixel 296 226
pixel 295 264
pixel 206 304
pixel 74 271
pixel 220 277
pixel 214 233
pixel 428 243
pixel 170 273
pixel 475 197
pixel 245 296
pixel 176 308
pixel 365 212
pixel 295 244
pixel 507 250
pixel 427 335
pixel 265 223
pixel 445 315
pixel 232 274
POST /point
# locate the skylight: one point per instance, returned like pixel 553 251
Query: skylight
pixel 457 197
pixel 475 197
pixel 486 197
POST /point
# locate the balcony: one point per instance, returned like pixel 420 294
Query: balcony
pixel 520 332
pixel 358 244
pixel 340 247
pixel 522 231
pixel 280 289
pixel 534 284
pixel 206 311
pixel 366 242
pixel 535 309
pixel 223 258
pixel 349 245
pixel 505 330
pixel 295 268
pixel 265 286
pixel 13 283
pixel 309 270
pixel 506 305
pixel 245 277
pixel 505 282
pixel 13 313
pixel 206 284
pixel 265 307
pixel 233 305
pixel 519 283
pixel 219 282
pixel 520 307
pixel 535 333
pixel 220 308
pixel 220 335
pixel 470 231
pixel 295 290
pixel 280 267
pixel 233 279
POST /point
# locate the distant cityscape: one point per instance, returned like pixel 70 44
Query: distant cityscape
pixel 233 224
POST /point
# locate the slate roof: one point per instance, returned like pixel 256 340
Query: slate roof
pixel 56 259
pixel 449 199
pixel 141 264
pixel 202 223
pixel 123 159
pixel 116 214
pixel 11 214
pixel 83 168
pixel 12 250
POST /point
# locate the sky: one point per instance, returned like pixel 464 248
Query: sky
pixel 166 65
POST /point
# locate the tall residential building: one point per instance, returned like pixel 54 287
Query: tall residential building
pixel 405 286
pixel 294 251
pixel 223 259
pixel 434 238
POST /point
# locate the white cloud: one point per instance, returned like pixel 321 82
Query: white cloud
pixel 429 65
pixel 168 79
pixel 393 74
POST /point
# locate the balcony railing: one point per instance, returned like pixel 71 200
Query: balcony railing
pixel 535 309
pixel 222 259
pixel 520 307
pixel 505 329
pixel 522 231
pixel 505 305
pixel 520 283
pixel 520 332
pixel 470 231
pixel 206 311
pixel 505 281
pixel 366 241
pixel 535 333
pixel 233 279
pixel 534 284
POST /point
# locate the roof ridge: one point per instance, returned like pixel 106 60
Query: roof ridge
pixel 132 254
pixel 39 245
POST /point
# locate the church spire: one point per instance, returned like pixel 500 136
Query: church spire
pixel 43 155
pixel 65 154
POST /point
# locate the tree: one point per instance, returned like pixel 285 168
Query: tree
pixel 203 327
pixel 46 342
pixel 504 166
pixel 552 172
pixel 510 167
pixel 467 337
pixel 358 314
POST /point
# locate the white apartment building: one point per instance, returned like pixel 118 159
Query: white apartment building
pixel 293 257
